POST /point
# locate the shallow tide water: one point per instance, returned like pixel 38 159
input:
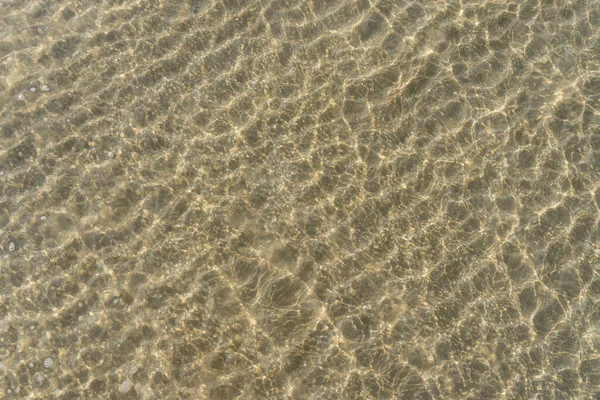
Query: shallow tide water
pixel 299 199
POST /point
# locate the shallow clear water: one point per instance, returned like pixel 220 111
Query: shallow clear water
pixel 300 199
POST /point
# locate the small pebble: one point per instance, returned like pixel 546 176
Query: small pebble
pixel 48 362
pixel 43 218
pixel 32 89
pixel 32 327
pixel 45 88
pixel 9 391
pixel 20 96
pixel 11 246
pixel 30 365
pixel 39 378
pixel 125 386
pixel 111 154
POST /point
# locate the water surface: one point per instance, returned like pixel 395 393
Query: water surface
pixel 300 199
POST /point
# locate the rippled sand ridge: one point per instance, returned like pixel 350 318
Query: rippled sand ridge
pixel 299 199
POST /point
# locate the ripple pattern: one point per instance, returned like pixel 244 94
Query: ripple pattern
pixel 300 199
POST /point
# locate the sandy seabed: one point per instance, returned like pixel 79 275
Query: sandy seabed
pixel 300 199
